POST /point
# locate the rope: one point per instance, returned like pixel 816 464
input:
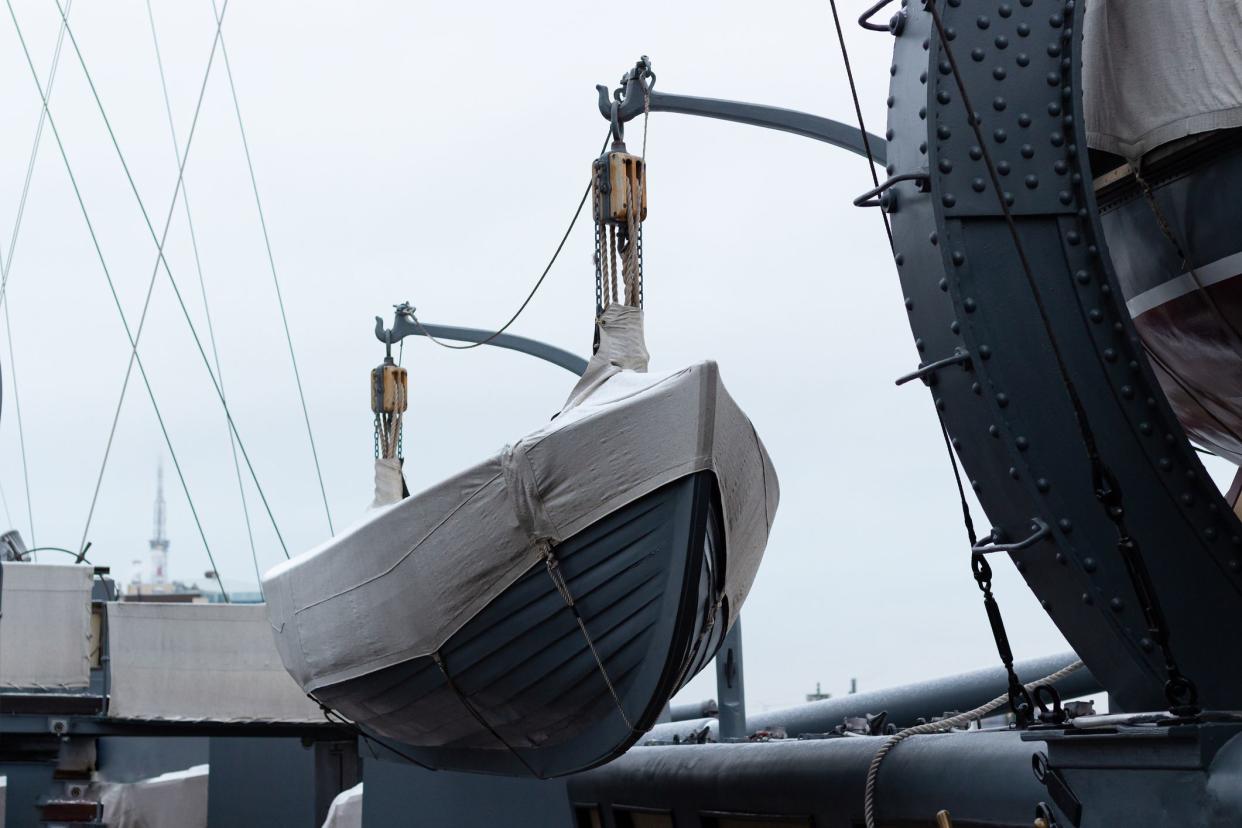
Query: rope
pixel 202 286
pixel 873 771
pixel 108 277
pixel 271 260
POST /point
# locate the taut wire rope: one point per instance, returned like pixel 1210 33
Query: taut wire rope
pixel 202 286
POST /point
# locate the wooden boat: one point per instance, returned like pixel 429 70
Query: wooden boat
pixel 533 615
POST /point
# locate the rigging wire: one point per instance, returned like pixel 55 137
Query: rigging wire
pixel 7 262
pixel 202 286
pixel 108 276
pixel 4 501
pixel 538 283
pixel 862 126
pixel 271 260
pixel 21 432
pixel 160 259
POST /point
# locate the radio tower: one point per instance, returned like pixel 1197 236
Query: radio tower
pixel 159 543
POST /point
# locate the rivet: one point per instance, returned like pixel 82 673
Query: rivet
pixel 919 344
pixel 923 76
pixel 976 388
pixel 974 484
pixel 1023 30
pixel 1027 151
pixel 1043 602
pixel 1024 120
pixel 1054 109
pixel 922 113
pixel 900 259
pixel 977 54
pixel 1001 42
pixel 982 21
pixel 945 165
pixel 1145 427
pixel 892 70
pixel 943 133
pixel 945 67
pixel 888 135
pixel 1053 78
pixel 1065 197
pixel 1088 564
pixel 1002 399
pixel 1056 21
pixel 1095 315
pixel 909 303
pixel 1073 237
pixel 994 431
pixel 1087 599
pixel 955 327
pixel 1110 355
pixel 944 285
pixel 1023 60
pixel 1127 392
pixel 978 185
pixel 999 73
pixel 1022 443
pixel 948 199
pixel 943 96
pixel 1005 10
pixel 1013 472
pixel 1008 199
pixel 890 101
pixel 1209 533
pixel 1066 526
pixel 975 153
pixel 1115 605
pixel 958 257
pixel 922 148
pixel 1145 644
pixel 999 104
pixel 1187 499
pixel 1060 167
pixel 1042 484
pixel 1020 566
pixel 1083 277
pixel 1031 181
pixel 968 304
pixel 1002 167
pixel 1164 463
pixel 939 404
pixel 985 352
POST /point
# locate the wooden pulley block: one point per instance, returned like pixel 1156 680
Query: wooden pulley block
pixel 616 176
pixel 389 387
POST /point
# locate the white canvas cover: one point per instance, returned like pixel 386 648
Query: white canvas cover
pixel 345 811
pixel 398 584
pixel 45 626
pixel 1156 71
pixel 199 662
pixel 176 799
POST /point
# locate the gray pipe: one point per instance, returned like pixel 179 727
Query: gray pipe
pixel 905 705
pixel 706 709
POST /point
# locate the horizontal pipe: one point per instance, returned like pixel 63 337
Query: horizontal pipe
pixel 980 777
pixel 694 710
pixel 907 704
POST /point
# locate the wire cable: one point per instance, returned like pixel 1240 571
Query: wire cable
pixel 202 286
pixel 538 283
pixel 271 260
pixel 161 260
pixel 111 285
pixel 7 262
pixel 862 126
pixel 21 431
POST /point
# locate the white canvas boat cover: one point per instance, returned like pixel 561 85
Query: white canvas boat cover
pixel 1156 71
pixel 45 626
pixel 398 584
pixel 199 662
pixel 178 798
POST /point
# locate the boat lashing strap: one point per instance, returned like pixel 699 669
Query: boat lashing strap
pixel 554 571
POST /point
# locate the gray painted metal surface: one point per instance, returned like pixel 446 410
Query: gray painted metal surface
pixel 1007 405
pixel 730 686
pixel 981 777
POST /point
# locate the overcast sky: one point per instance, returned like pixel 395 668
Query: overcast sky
pixel 434 153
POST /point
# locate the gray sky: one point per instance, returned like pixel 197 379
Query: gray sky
pixel 433 153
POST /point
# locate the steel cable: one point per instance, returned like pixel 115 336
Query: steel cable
pixel 202 286
pixel 111 285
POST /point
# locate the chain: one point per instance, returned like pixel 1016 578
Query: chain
pixel 377 436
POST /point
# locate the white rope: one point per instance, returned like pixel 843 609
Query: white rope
pixel 873 772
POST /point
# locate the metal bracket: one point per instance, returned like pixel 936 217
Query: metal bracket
pixel 960 355
pixel 1058 789
pixel 636 95
pixel 875 196
pixel 1039 531
pixel 895 25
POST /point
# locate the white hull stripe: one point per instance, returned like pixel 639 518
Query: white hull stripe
pixel 1210 274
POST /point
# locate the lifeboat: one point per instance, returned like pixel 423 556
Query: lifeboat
pixel 532 615
pixel 1163 104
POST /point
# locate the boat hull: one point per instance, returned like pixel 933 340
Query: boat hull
pixel 534 686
